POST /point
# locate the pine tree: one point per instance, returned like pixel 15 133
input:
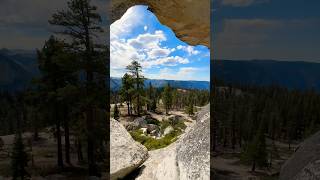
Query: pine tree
pixel 82 24
pixel 190 109
pixel 19 157
pixel 135 71
pixel 127 90
pixel 256 152
pixel 167 98
pixel 116 112
pixel 150 96
pixel 51 59
pixel 154 104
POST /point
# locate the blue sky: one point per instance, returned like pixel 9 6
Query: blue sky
pixel 266 29
pixel 139 35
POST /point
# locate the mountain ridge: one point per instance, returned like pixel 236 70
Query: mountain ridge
pixel 115 83
pixel 291 74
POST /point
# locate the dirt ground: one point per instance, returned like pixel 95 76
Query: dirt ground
pixel 43 159
pixel 227 165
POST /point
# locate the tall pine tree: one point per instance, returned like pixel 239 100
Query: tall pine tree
pixel 82 24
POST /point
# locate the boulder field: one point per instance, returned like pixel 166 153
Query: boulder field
pixel 186 159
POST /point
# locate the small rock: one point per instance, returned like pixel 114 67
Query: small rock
pixel 152 127
pixel 168 130
pixel 140 122
pixel 144 131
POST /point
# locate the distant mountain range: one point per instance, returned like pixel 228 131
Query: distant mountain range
pixel 291 74
pixel 18 67
pixel 115 83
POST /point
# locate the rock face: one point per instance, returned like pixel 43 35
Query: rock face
pixel 125 154
pixel 305 162
pixel 186 159
pixel 189 19
pixel 193 150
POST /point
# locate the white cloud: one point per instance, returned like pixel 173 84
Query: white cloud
pixel 131 19
pixel 167 61
pixel 122 54
pixel 189 49
pixel 146 49
pixel 147 40
pixel 145 28
pixel 183 73
pixel 160 52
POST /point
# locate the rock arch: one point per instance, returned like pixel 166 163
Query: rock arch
pixel 189 19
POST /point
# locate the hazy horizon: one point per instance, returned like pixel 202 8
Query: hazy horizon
pixel 266 29
pixel 165 79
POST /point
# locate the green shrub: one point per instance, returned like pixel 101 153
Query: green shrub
pixel 180 125
pixel 151 143
pixel 164 125
pixel 153 121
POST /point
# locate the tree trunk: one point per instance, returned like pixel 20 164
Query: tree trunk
pixel 253 166
pixel 67 139
pixel 35 128
pixel 59 145
pixel 138 105
pixel 138 88
pixel 79 151
pixel 128 105
pixel 225 137
pixel 91 142
pixel 58 135
pixel 233 137
pixel 89 111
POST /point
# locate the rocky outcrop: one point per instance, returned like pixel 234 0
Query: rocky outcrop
pixel 186 159
pixel 305 162
pixel 126 154
pixel 189 19
pixel 193 149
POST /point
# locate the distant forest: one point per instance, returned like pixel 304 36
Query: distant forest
pixel 246 115
pixel 140 98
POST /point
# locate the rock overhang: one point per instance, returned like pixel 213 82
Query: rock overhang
pixel 189 19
